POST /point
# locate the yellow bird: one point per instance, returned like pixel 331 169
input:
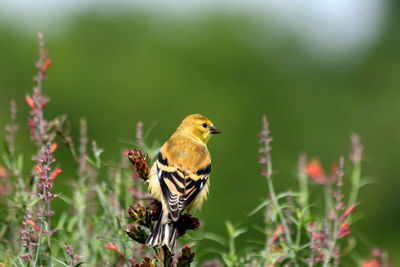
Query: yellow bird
pixel 179 178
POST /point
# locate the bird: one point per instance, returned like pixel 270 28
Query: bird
pixel 179 178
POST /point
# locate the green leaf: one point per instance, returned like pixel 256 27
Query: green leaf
pixel 259 229
pixel 33 202
pixel 239 232
pixel 366 181
pixel 62 220
pixel 7 162
pixel 6 147
pixel 306 221
pixel 59 261
pixel 216 238
pixel 229 228
pixel 259 207
pixel 286 194
pixel 66 199
pixel 98 152
pixel 294 220
pixel 20 162
pixel 79 264
pixel 284 262
pixel 91 161
pixel 72 223
pixel 148 131
pixel 305 209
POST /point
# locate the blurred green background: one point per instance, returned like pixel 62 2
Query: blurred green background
pixel 316 79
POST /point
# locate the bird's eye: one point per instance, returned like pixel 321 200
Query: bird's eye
pixel 205 125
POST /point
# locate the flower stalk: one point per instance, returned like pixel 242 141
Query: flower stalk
pixel 265 158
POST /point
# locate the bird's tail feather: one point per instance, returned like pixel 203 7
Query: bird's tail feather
pixel 163 234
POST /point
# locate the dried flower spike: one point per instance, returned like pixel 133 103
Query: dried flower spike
pixel 140 162
pixel 186 257
pixel 136 233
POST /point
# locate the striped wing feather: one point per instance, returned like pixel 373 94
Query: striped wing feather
pixel 179 188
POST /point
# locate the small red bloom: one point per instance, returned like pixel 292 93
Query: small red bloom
pixel 34 225
pixel 332 215
pixel 30 102
pixel 31 125
pixel 38 168
pixel 46 65
pixel 320 257
pixel 334 169
pixel 347 213
pixel 3 172
pixel 262 160
pixel 279 230
pixel 376 252
pixel 54 174
pixel 372 263
pixel 112 246
pixel 53 147
pixel 30 222
pixel 315 171
pixel 344 230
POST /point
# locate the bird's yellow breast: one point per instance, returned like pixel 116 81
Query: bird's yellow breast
pixel 186 154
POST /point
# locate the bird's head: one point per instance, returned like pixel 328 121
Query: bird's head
pixel 198 127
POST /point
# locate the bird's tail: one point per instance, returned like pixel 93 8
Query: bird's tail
pixel 163 234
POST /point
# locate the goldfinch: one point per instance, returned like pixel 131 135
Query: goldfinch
pixel 179 178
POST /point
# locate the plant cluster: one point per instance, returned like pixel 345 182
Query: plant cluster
pixel 110 215
pixel 297 231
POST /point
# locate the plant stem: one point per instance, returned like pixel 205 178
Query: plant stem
pixel 303 185
pixel 281 217
pixel 333 243
pixel 81 210
pixel 40 234
pixel 328 199
pixel 355 180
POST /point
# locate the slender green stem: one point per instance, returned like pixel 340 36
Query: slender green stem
pixel 81 208
pixel 303 198
pixel 328 199
pixel 282 218
pixel 355 180
pixel 333 243
pixel 298 234
pixel 41 232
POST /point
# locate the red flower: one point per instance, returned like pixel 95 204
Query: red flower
pixel 46 65
pixel 344 230
pixel 34 225
pixel 371 263
pixel 112 246
pixel 54 174
pixel 3 172
pixel 320 257
pixel 30 102
pixel 38 168
pixel 279 230
pixel 347 213
pixel 315 171
pixel 53 147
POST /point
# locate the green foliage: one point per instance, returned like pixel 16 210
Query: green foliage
pixel 117 69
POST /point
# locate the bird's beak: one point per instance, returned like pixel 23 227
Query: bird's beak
pixel 214 130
